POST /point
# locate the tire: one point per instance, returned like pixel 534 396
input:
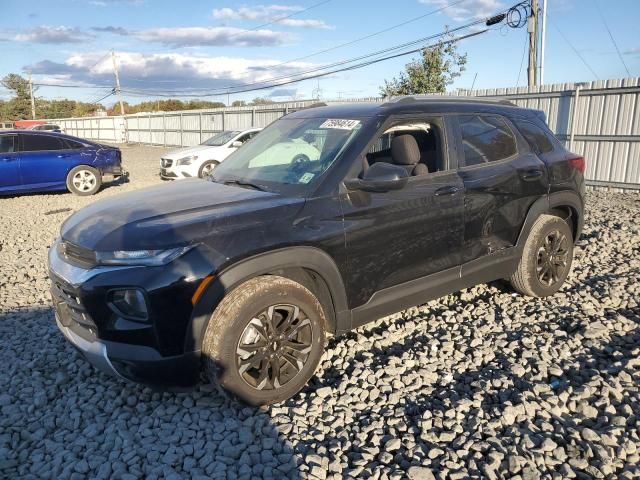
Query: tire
pixel 207 168
pixel 538 274
pixel 238 321
pixel 84 180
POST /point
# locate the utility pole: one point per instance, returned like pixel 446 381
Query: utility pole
pixel 33 101
pixel 118 91
pixel 532 29
pixel 542 39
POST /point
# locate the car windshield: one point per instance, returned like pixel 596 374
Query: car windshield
pixel 292 152
pixel 220 138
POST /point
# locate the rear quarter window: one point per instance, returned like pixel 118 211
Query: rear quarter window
pixel 535 136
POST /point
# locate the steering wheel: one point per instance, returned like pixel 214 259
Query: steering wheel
pixel 299 163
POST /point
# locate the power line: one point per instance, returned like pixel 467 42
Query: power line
pixel 611 37
pixel 575 50
pixel 524 52
pixel 224 89
pixel 62 85
pixel 279 19
pixel 351 42
pixel 99 61
pixel 348 68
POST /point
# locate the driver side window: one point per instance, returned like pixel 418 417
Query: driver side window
pixel 414 145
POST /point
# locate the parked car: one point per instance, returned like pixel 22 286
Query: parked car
pixel 47 127
pixel 201 160
pixel 38 161
pixel 244 275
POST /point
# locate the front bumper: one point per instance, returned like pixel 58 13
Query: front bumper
pixel 95 352
pixel 152 353
pixel 117 172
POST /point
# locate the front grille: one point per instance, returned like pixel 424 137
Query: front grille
pixel 165 162
pixel 68 305
pixel 77 255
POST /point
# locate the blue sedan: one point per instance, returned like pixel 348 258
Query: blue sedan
pixel 38 161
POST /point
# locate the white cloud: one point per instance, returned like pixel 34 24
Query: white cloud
pixel 51 34
pixel 269 13
pixel 468 9
pixel 211 36
pixel 164 71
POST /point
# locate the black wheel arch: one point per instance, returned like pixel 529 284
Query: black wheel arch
pixel 567 204
pixel 309 266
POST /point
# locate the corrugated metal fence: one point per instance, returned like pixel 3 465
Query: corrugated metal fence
pixel 600 120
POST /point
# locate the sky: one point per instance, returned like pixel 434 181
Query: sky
pixel 189 47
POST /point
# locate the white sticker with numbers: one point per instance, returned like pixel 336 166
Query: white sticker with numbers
pixel 306 178
pixel 342 124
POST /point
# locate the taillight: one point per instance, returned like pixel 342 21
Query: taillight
pixel 578 163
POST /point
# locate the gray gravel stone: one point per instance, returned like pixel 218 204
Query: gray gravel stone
pixel 483 383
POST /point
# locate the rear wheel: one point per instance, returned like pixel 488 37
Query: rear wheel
pixel 264 340
pixel 84 180
pixel 207 168
pixel 546 258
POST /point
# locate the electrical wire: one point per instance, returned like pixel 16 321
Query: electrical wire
pixel 344 69
pixel 228 88
pixel 278 19
pixel 615 44
pixel 524 53
pixel 351 42
pixel 575 50
pixel 111 92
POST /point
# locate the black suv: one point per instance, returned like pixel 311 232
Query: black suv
pixel 331 217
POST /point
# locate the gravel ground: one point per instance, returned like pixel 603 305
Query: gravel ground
pixel 480 384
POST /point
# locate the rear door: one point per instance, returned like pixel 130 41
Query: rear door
pixel 502 178
pixel 44 160
pixel 9 162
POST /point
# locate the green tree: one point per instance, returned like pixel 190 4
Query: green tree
pixel 19 107
pixel 239 103
pixel 437 67
pixel 261 101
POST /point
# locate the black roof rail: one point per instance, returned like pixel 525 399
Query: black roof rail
pixel 446 98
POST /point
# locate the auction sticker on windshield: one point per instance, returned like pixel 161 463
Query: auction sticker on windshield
pixel 342 124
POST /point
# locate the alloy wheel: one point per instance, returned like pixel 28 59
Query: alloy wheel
pixel 84 180
pixel 552 260
pixel 274 347
pixel 207 170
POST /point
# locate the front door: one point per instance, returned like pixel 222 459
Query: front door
pixel 398 236
pixel 9 163
pixel 44 160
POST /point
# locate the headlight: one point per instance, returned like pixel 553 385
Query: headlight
pixel 141 257
pixel 186 160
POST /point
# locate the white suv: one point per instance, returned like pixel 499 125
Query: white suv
pixel 200 161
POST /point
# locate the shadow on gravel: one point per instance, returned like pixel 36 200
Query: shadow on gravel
pixel 61 418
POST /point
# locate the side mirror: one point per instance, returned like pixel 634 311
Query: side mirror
pixel 236 144
pixel 380 177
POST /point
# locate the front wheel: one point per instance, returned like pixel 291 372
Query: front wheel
pixel 264 340
pixel 207 168
pixel 84 180
pixel 546 258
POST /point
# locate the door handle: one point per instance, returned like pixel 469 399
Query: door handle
pixel 448 190
pixel 7 159
pixel 532 174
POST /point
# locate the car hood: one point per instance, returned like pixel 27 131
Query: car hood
pixel 186 152
pixel 180 213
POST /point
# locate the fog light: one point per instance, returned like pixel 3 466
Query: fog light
pixel 130 303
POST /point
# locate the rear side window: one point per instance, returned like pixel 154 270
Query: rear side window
pixel 72 144
pixel 36 143
pixel 7 143
pixel 535 136
pixel 485 139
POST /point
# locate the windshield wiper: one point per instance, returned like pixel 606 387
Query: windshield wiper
pixel 241 183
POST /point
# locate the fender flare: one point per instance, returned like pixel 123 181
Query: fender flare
pixel 566 198
pixel 310 258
